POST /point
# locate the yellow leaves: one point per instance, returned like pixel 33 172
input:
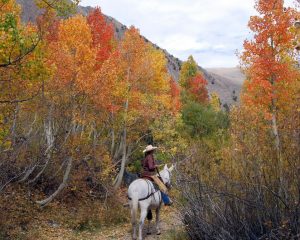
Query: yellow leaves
pixel 137 72
pixel 75 33
pixel 158 62
pixel 188 70
pixel 165 130
pixel 10 7
pixel 107 167
pixel 215 102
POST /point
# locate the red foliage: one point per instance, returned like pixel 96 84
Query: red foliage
pixel 175 94
pixel 197 87
pixel 266 59
pixel 48 24
pixel 102 35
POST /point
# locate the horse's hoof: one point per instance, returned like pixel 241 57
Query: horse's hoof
pixel 158 233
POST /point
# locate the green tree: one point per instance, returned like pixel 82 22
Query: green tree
pixel 189 69
pixel 193 83
pixel 63 8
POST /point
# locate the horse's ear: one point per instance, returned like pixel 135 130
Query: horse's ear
pixel 171 168
pixel 166 167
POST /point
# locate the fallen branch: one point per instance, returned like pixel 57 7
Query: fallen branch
pixel 61 186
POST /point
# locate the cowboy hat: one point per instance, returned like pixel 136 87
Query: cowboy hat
pixel 149 148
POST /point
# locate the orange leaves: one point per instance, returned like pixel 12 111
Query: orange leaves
pixel 110 89
pixel 91 70
pixel 269 5
pixel 268 59
pixel 87 62
pixel 73 54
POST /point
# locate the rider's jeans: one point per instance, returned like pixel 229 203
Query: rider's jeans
pixel 165 198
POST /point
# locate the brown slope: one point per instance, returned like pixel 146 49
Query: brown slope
pixel 235 74
pixel 229 82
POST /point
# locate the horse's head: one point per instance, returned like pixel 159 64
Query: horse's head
pixel 166 175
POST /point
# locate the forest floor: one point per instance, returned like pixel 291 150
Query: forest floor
pixel 171 228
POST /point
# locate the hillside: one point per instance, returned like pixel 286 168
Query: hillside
pixel 223 81
pixel 234 74
pixel 229 80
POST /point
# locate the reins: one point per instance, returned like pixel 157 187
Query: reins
pixel 158 172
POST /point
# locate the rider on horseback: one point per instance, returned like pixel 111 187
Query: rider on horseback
pixel 149 171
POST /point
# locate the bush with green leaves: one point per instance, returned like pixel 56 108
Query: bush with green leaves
pixel 203 120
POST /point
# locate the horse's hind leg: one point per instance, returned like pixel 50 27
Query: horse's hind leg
pixel 142 220
pixel 157 221
pixel 148 228
pixel 133 222
pixel 149 218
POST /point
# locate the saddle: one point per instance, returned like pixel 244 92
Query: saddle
pixel 155 185
pixel 157 182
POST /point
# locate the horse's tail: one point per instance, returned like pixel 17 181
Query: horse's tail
pixel 134 206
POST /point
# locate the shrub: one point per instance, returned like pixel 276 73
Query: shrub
pixel 237 211
pixel 203 120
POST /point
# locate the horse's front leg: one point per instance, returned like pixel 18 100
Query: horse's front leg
pixel 157 211
pixel 144 212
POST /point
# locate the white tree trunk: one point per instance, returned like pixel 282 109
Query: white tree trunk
pixel 119 178
pixel 275 133
pixel 124 153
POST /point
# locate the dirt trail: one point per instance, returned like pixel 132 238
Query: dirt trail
pixel 171 228
pixel 170 224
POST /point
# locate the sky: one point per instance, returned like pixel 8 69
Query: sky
pixel 210 30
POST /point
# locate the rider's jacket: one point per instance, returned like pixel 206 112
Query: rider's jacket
pixel 148 165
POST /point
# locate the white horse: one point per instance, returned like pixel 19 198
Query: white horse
pixel 141 193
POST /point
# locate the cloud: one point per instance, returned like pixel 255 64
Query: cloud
pixel 181 42
pixel 210 30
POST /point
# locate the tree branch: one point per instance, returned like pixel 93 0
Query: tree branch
pixel 61 186
pixel 20 100
pixel 21 56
